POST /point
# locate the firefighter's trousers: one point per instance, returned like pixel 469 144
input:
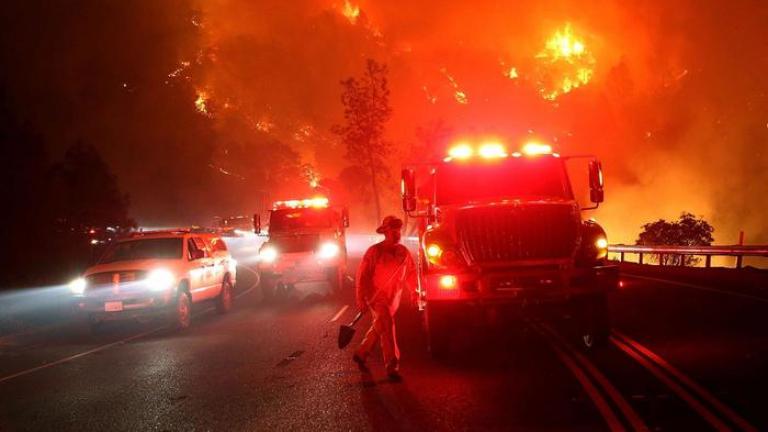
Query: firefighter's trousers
pixel 383 331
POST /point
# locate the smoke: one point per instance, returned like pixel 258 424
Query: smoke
pixel 676 106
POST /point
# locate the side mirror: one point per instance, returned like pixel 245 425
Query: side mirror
pixel 345 217
pixel 408 190
pixel 257 223
pixel 596 193
pixel 196 254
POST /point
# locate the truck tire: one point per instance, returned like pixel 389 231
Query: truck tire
pixel 438 332
pixel 594 321
pixel 180 313
pixel 335 279
pixel 267 285
pixel 224 300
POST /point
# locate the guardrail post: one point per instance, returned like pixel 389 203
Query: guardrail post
pixel 621 256
pixel 661 259
pixel 739 261
pixel 708 261
pixel 640 258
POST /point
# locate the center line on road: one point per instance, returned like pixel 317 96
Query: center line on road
pixel 76 356
pixel 339 313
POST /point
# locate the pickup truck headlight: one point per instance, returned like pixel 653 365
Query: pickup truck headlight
pixel 78 286
pixel 160 280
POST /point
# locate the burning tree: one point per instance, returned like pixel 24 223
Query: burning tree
pixel 366 110
pixel 686 231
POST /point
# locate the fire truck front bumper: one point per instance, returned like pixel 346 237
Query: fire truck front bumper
pixel 299 268
pixel 519 286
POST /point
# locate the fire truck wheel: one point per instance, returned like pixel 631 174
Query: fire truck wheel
pixel 594 322
pixel 335 279
pixel 267 285
pixel 438 332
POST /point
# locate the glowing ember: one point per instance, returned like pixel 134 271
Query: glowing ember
pixel 565 64
pixel 458 93
pixel 512 73
pixel 352 12
pixel 200 102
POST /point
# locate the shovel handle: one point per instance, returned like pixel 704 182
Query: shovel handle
pixel 356 319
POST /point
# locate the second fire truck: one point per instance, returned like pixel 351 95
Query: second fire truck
pixel 307 243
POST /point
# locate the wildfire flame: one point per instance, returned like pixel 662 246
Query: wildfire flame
pixel 458 93
pixel 565 64
pixel 350 11
pixel 200 102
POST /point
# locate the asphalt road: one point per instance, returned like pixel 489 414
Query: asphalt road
pixel 682 358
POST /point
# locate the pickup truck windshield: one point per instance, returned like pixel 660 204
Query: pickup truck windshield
pixel 299 219
pixel 157 248
pixel 544 177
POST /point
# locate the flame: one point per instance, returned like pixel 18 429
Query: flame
pixel 200 102
pixel 512 73
pixel 565 64
pixel 351 12
pixel 458 94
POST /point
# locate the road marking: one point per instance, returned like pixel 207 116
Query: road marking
pixel 692 385
pixel 614 424
pixel 692 402
pixel 698 287
pixel 102 347
pixel 76 356
pixel 339 313
pixel 626 409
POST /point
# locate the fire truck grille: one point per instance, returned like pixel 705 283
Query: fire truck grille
pixel 502 234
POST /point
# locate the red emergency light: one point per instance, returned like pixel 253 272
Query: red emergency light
pixel 317 202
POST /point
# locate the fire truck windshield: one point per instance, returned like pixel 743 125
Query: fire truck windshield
pixel 299 219
pixel 545 177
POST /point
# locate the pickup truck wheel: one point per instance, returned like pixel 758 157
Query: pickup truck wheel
pixel 224 301
pixel 594 321
pixel 181 311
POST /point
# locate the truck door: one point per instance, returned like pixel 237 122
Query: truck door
pixel 201 273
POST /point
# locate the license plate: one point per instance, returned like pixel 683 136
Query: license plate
pixel 113 306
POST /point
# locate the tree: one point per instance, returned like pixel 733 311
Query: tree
pixel 366 110
pixel 686 231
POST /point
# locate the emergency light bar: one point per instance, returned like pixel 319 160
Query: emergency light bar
pixel 320 202
pixel 496 150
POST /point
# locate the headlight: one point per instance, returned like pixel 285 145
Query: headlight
pixel 78 285
pixel 268 254
pixel 601 243
pixel 328 250
pixel 160 280
pixel 434 252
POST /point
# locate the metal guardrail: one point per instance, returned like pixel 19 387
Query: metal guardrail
pixel 738 251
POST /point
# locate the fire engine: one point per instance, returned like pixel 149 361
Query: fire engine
pixel 306 243
pixel 502 233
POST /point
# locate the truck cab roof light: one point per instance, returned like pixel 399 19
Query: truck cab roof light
pixel 492 151
pixel 536 149
pixel 318 202
pixel 461 151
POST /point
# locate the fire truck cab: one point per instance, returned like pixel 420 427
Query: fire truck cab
pixel 503 234
pixel 307 243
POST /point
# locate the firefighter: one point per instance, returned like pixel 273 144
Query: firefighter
pixel 385 268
